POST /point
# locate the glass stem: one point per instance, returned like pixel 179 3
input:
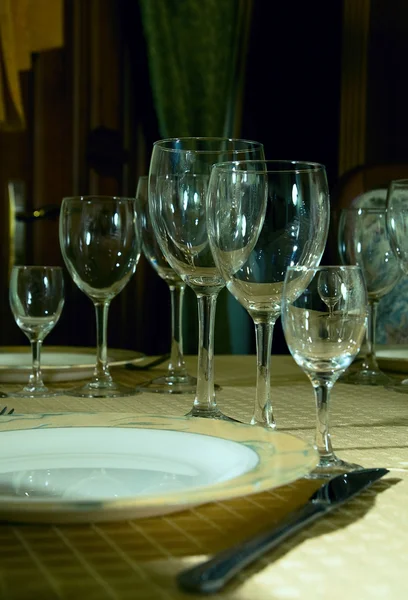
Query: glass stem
pixel 322 438
pixel 370 361
pixel 177 366
pixel 263 414
pixel 35 380
pixel 205 404
pixel 101 372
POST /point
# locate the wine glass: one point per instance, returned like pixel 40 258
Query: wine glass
pixel 177 380
pixel 329 287
pixel 100 239
pixel 178 181
pixel 36 300
pixel 364 241
pixel 397 227
pixel 324 344
pixel 264 216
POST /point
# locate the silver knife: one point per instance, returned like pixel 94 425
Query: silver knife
pixel 209 577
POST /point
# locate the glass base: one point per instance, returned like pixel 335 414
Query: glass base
pixel 271 424
pixel 41 392
pixel 366 377
pixel 97 389
pixel 210 414
pixel 170 384
pixel 330 466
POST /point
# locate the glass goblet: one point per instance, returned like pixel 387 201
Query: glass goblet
pixel 363 240
pixel 324 344
pixel 264 216
pixel 178 182
pixel 177 380
pixel 100 239
pixel 397 226
pixel 36 300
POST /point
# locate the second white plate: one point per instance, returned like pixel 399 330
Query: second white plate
pixel 393 358
pixel 58 363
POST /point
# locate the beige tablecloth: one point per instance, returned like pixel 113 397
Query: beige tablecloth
pixel 359 552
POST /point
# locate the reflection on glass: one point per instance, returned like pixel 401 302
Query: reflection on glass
pixel 178 182
pixel 36 301
pixel 100 239
pixel 262 217
pixel 363 241
pixel 177 380
pixel 324 343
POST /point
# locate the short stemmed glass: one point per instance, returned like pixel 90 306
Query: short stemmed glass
pixel 177 380
pixel 36 301
pixel 264 216
pixel 363 240
pixel 324 343
pixel 100 239
pixel 397 226
pixel 178 182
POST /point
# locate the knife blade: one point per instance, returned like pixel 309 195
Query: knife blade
pixel 210 576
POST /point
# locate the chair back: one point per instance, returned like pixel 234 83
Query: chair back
pixel 366 186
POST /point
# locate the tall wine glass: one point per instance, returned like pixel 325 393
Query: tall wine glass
pixel 100 240
pixel 36 301
pixel 364 241
pixel 322 343
pixel 178 183
pixel 397 226
pixel 264 216
pixel 177 380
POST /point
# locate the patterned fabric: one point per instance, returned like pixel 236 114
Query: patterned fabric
pixel 392 315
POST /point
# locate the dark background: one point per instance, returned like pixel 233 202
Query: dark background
pixel 91 125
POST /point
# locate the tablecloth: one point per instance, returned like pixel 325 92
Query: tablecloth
pixel 357 552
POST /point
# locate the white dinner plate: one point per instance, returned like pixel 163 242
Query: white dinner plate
pixel 393 358
pixel 58 363
pixel 80 467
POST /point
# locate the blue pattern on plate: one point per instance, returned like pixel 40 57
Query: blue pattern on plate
pixel 392 315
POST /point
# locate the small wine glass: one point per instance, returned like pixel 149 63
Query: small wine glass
pixel 178 182
pixel 177 380
pixel 364 241
pixel 100 239
pixel 262 217
pixel 324 344
pixel 397 227
pixel 36 301
pixel 329 287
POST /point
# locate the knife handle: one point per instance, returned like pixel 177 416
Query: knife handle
pixel 210 576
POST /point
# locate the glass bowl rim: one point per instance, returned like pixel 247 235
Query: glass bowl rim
pixel 90 197
pixel 304 166
pixel 253 144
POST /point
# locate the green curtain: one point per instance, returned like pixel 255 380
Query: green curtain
pixel 196 51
